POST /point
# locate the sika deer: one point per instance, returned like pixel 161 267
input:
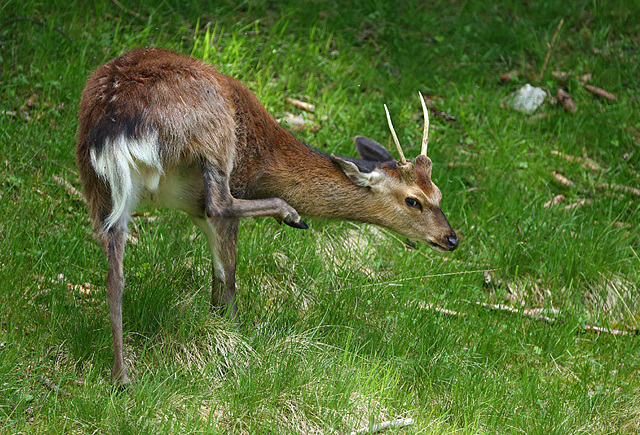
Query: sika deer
pixel 165 129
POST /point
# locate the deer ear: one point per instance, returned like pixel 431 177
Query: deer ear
pixel 361 172
pixel 371 150
pixel 424 162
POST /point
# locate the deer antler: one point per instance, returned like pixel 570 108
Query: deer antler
pixel 406 169
pixel 425 134
pixel 403 161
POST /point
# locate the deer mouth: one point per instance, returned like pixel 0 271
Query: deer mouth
pixel 436 246
pixel 450 243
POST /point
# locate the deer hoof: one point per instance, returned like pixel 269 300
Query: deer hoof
pixel 120 380
pixel 295 224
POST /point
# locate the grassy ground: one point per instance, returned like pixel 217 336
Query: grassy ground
pixel 339 324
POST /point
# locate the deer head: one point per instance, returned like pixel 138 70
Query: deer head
pixel 404 198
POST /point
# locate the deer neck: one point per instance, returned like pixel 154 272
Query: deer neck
pixel 314 185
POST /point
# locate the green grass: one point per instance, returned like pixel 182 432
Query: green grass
pixel 335 328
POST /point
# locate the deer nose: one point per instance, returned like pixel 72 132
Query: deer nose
pixel 452 239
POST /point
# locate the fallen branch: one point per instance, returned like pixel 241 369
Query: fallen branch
pixel 401 422
pixel 600 92
pixel 52 386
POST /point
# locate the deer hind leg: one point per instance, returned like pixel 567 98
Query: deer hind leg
pixel 222 237
pixel 114 242
pixel 220 203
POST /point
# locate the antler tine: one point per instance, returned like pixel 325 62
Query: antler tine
pixel 403 161
pixel 425 134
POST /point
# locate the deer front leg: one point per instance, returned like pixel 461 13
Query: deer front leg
pixel 113 245
pixel 223 291
pixel 220 203
pixel 222 236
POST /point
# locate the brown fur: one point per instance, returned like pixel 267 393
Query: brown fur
pixel 229 159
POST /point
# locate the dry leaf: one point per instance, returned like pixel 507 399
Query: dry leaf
pixel 133 237
pixel 560 75
pixel 85 289
pixel 584 78
pixel 31 101
pixel 507 77
pixel 567 102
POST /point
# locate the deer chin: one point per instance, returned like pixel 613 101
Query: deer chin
pixel 436 247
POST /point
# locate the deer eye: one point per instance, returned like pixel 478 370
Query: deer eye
pixel 413 203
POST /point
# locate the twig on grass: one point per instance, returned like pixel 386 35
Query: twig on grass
pixel 440 113
pixel 535 314
pixel 600 329
pixel 585 162
pixel 129 11
pixel 577 202
pixel 401 422
pixel 558 199
pixel 619 188
pixel 298 123
pixel 553 42
pixel 72 191
pixel 600 92
pixel 302 105
pixel 431 306
pixel 436 275
pixel 52 386
pixel 34 21
pixel 562 179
